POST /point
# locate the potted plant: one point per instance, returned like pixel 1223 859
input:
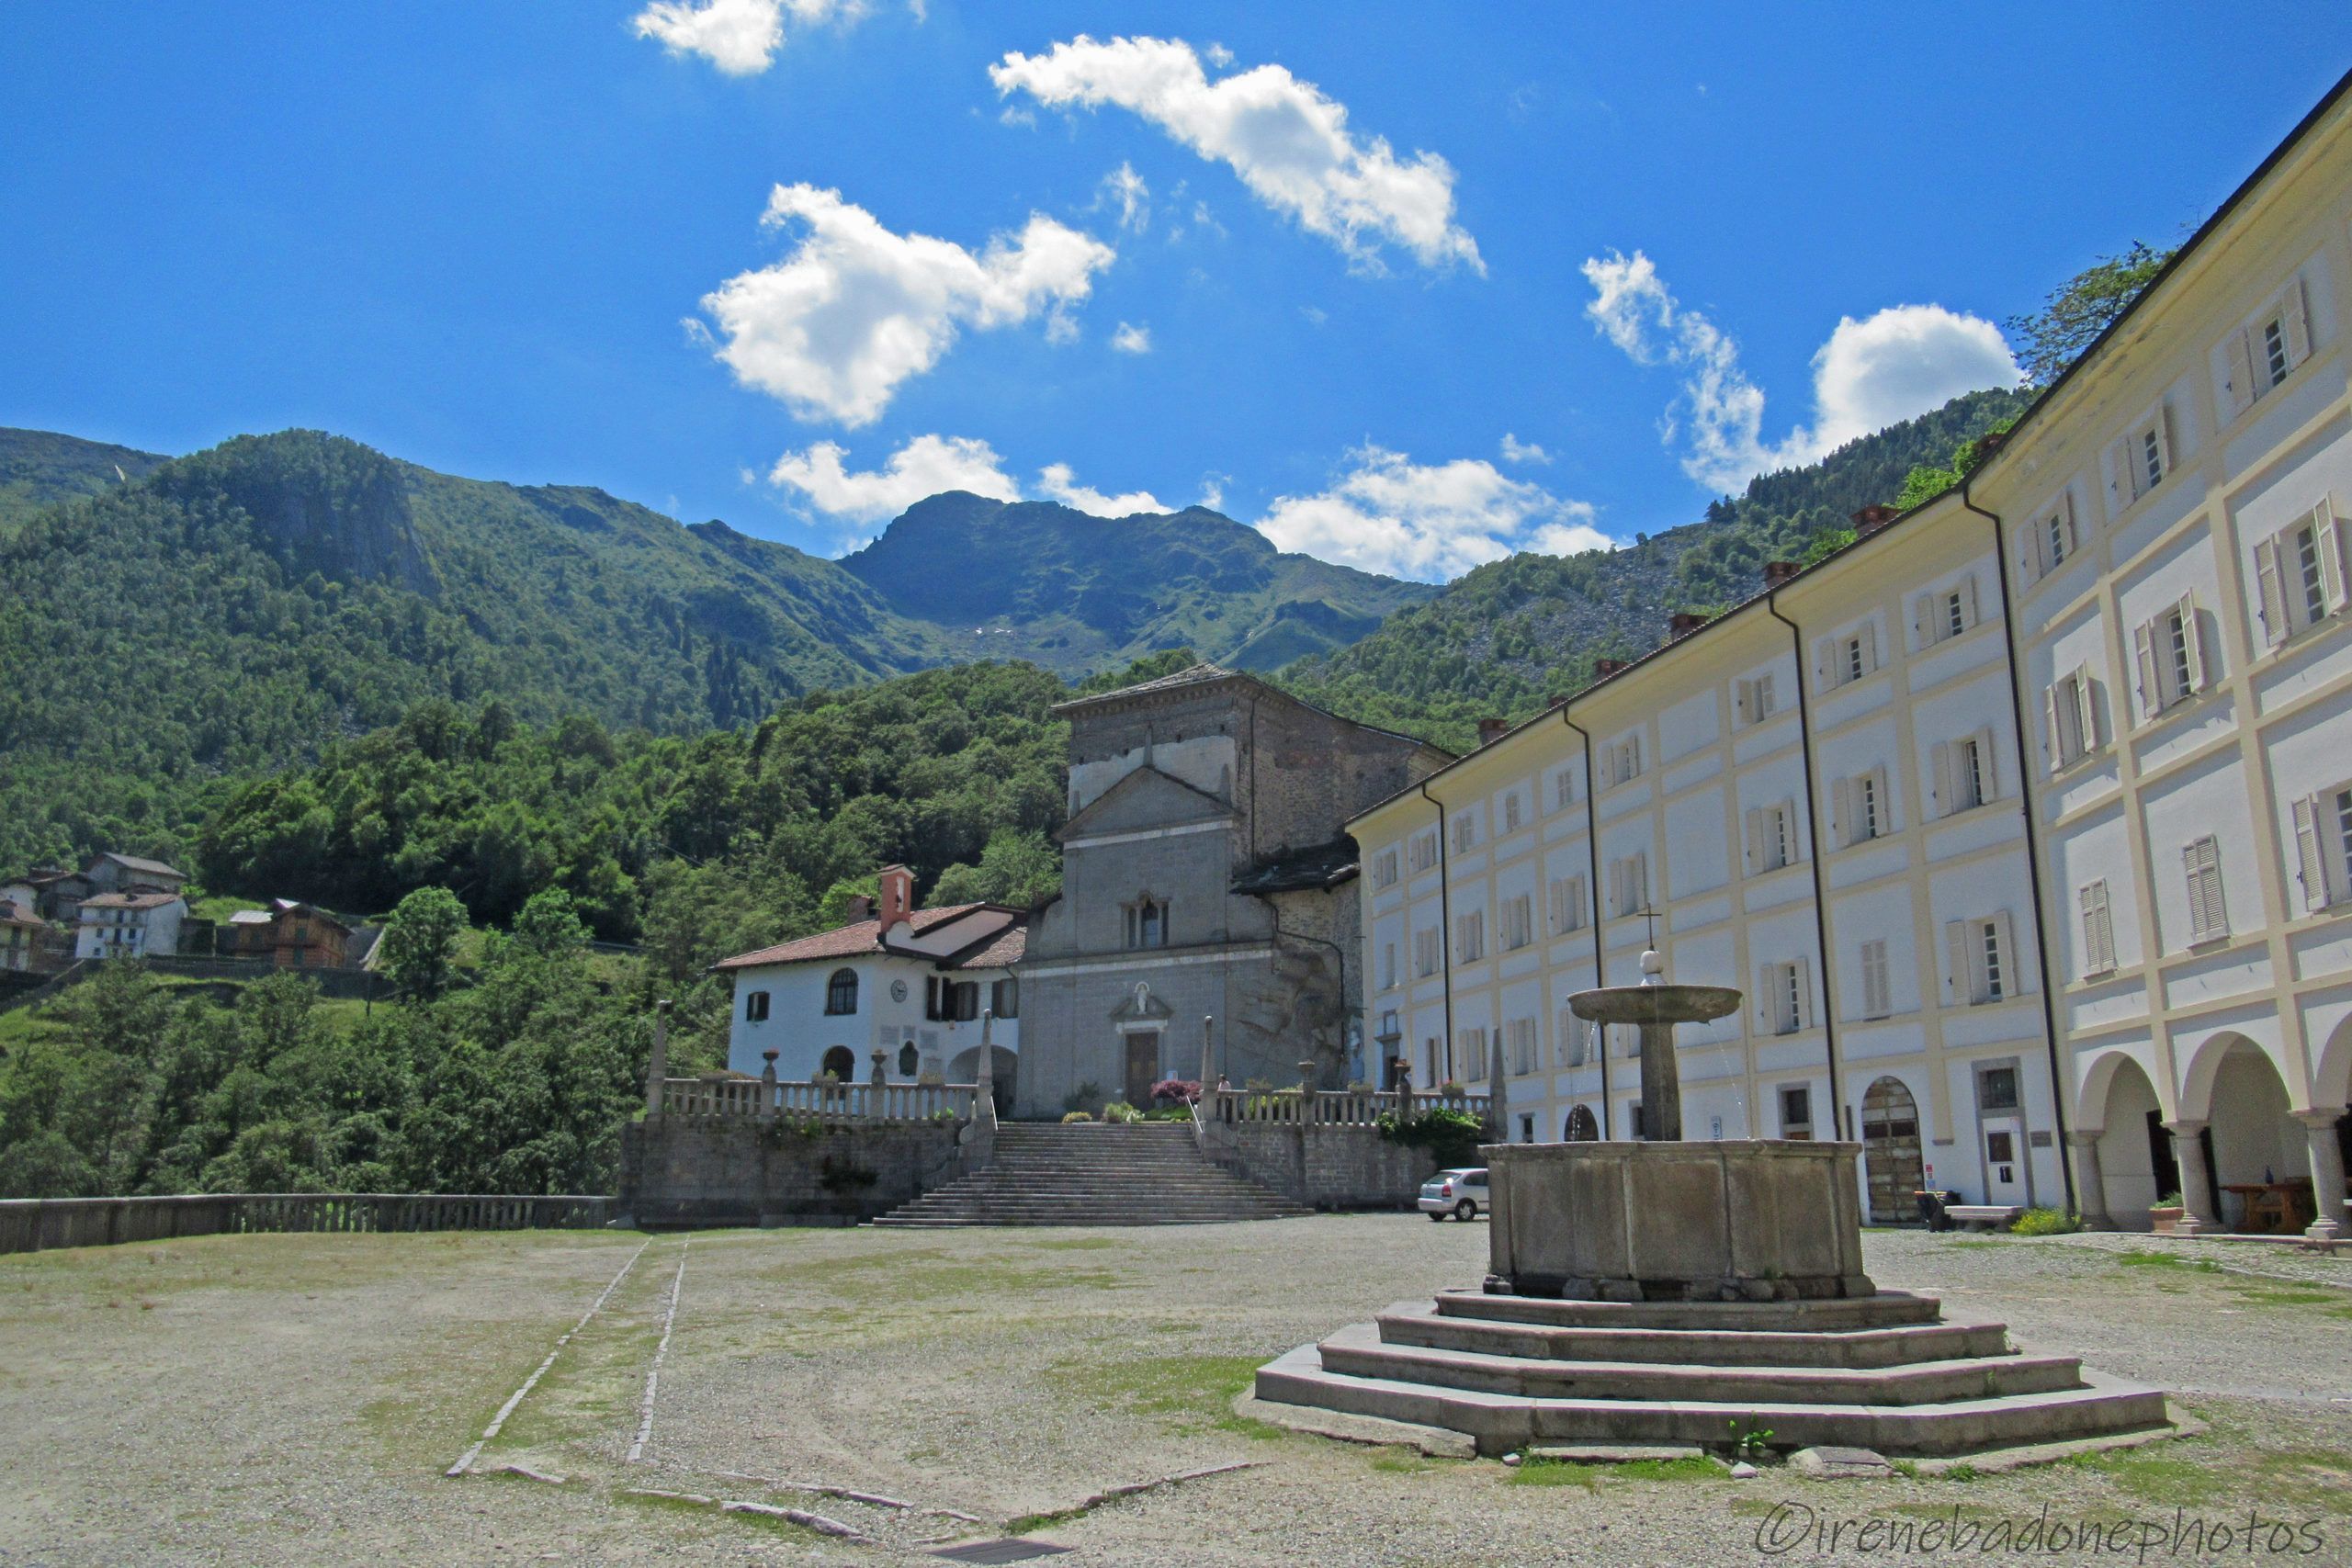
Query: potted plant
pixel 2166 1213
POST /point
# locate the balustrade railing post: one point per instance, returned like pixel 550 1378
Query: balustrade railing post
pixel 657 1069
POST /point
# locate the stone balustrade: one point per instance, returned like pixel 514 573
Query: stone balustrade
pixel 34 1224
pixel 832 1103
pixel 1327 1108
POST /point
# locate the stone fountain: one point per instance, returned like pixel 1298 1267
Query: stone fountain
pixel 1751 1220
pixel 1662 1295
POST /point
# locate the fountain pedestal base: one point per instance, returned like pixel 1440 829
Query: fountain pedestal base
pixel 1766 1220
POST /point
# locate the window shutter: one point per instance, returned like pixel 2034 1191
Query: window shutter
pixel 1788 831
pixel 1825 665
pixel 1617 887
pixel 2193 636
pixel 1743 701
pixel 2013 977
pixel 2299 324
pixel 2031 566
pixel 2056 753
pixel 1841 811
pixel 1988 768
pixel 2088 899
pixel 1764 995
pixel 2086 714
pixel 2272 587
pixel 2066 519
pixel 1632 755
pixel 1870 647
pixel 2163 438
pixel 1754 839
pixel 1942 763
pixel 2241 382
pixel 1803 989
pixel 2311 867
pixel 2330 540
pixel 2143 646
pixel 1968 600
pixel 1956 948
pixel 2126 490
pixel 1923 620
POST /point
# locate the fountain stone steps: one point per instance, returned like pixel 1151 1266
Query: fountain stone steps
pixel 1887 1309
pixel 1413 1323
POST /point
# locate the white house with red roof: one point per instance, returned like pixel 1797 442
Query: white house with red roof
pixel 906 983
pixel 129 925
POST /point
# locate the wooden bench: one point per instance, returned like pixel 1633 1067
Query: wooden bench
pixel 1984 1216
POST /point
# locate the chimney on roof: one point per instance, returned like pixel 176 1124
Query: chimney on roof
pixel 1776 572
pixel 898 895
pixel 1682 623
pixel 1492 729
pixel 859 908
pixel 1605 667
pixel 1871 519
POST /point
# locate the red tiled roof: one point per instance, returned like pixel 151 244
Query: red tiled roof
pixel 131 901
pixel 1002 953
pixel 851 941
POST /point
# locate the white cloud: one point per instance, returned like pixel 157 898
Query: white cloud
pixel 1288 141
pixel 1434 521
pixel 923 466
pixel 1058 483
pixel 1124 190
pixel 740 36
pixel 1518 451
pixel 1873 373
pixel 1132 339
pixel 854 310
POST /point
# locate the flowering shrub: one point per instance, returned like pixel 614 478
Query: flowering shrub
pixel 1121 1112
pixel 1075 1116
pixel 1175 1092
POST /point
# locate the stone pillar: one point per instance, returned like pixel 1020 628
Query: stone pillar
pixel 2327 1173
pixel 2090 1182
pixel 657 1066
pixel 984 1075
pixel 2188 1153
pixel 767 1084
pixel 1498 1093
pixel 1307 1077
pixel 1208 1054
pixel 1661 1084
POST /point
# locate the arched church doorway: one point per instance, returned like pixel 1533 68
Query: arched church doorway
pixel 1891 1157
pixel 841 1064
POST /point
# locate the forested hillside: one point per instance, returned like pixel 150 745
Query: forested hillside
pixel 1501 639
pixel 39 469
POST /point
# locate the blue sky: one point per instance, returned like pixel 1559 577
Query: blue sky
pixel 1312 263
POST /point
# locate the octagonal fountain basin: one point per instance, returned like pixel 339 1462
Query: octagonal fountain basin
pixel 1757 1221
pixel 1655 1004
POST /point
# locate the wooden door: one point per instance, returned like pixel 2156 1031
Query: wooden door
pixel 1891 1155
pixel 1143 1068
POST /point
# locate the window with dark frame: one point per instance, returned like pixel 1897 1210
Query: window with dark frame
pixel 841 992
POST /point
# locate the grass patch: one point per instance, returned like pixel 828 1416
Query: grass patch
pixel 1556 1473
pixel 1401 1462
pixel 2141 1258
pixel 1196 1386
pixel 1577 1472
pixel 1975 1243
pixel 2197 1472
pixel 1079 1243
pixel 1028 1522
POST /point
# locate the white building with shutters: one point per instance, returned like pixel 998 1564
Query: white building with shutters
pixel 2025 821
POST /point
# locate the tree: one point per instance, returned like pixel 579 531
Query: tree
pixel 2077 311
pixel 1016 868
pixel 421 939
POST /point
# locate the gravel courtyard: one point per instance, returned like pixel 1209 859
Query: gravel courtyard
pixel 297 1399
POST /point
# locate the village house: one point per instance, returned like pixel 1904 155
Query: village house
pixel 109 871
pixel 291 934
pixel 2025 821
pixel 898 991
pixel 130 925
pixel 1204 874
pixel 52 893
pixel 24 936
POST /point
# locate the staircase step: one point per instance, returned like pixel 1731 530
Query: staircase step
pixel 1887 1309
pixel 1417 1323
pixel 1093 1174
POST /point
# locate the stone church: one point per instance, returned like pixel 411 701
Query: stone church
pixel 1205 875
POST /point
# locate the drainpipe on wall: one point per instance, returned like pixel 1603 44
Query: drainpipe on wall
pixel 2033 872
pixel 1592 888
pixel 1445 930
pixel 1844 1125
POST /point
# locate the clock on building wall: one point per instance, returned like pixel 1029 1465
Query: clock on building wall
pixel 898 990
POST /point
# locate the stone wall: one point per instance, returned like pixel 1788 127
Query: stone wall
pixel 745 1171
pixel 1330 1167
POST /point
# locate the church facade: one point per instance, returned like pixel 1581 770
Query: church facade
pixel 1206 876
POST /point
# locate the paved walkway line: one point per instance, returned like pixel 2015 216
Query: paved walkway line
pixel 653 1372
pixel 530 1382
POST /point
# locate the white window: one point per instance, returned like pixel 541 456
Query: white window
pixel 1966 775
pixel 1796 1112
pixel 1470 936
pixel 1389 967
pixel 1421 852
pixel 1575 1040
pixel 1564 789
pixel 2098 928
pixel 2070 726
pixel 1148 923
pixel 1622 760
pixel 2142 459
pixel 1470 1055
pixel 1858 807
pixel 1849 656
pixel 1771 837
pixel 2170 651
pixel 2049 541
pixel 1629 884
pixel 1518 1040
pixel 1785 993
pixel 2265 354
pixel 2201 863
pixel 1982 959
pixel 1465 833
pixel 1510 812
pixel 1383 869
pixel 1567 904
pixel 1753 699
pixel 1425 953
pixel 1877 993
pixel 2324 846
pixel 1944 613
pixel 1519 922
pixel 2300 571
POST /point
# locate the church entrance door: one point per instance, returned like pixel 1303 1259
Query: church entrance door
pixel 1143 1068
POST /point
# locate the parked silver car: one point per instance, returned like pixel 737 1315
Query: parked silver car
pixel 1462 1193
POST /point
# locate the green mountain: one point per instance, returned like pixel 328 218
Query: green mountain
pixel 1500 640
pixel 225 615
pixel 1088 592
pixel 38 469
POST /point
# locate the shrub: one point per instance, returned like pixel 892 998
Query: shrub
pixel 2172 1199
pixel 1169 1114
pixel 2045 1222
pixel 1119 1110
pixel 1176 1092
pixel 1452 1135
pixel 1075 1116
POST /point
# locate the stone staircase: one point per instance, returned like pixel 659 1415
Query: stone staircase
pixel 1091 1173
pixel 1882 1372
